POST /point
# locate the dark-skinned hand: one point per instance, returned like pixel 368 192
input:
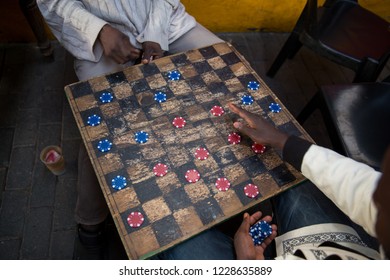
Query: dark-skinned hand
pixel 243 243
pixel 151 50
pixel 117 46
pixel 258 129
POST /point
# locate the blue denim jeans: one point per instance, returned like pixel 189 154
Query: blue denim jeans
pixel 209 245
pixel 295 208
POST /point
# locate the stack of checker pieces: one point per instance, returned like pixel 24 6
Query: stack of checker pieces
pixel 172 208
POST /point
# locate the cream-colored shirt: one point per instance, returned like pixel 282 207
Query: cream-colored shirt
pixel 77 23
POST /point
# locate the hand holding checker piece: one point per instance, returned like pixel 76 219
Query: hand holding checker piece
pixel 172 208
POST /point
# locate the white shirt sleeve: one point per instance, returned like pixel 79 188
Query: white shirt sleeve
pixel 349 184
pixel 74 27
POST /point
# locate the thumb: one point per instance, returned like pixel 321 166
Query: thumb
pixel 147 55
pixel 244 129
pixel 245 225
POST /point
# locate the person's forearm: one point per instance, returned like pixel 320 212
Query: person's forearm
pixel 74 27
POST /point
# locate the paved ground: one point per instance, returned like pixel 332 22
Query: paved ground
pixel 36 207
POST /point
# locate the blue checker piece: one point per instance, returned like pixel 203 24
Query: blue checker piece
pixel 174 75
pixel 104 145
pixel 253 85
pixel 106 97
pixel 141 137
pixel 119 182
pixel 247 100
pixel 275 108
pixel 160 97
pixel 94 120
pixel 260 231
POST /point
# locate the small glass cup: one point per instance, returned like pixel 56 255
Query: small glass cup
pixel 52 157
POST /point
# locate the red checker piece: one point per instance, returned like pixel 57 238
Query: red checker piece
pixel 160 169
pixel 251 190
pixel 202 153
pixel 135 219
pixel 192 176
pixel 179 122
pixel 234 138
pixel 258 148
pixel 217 111
pixel 222 184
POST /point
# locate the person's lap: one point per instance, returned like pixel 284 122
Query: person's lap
pixel 295 208
pixel 306 205
pixel 209 245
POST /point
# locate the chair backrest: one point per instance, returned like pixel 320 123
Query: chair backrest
pixel 343 32
pixel 312 14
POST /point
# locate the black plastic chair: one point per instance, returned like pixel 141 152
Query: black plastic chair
pixel 357 118
pixel 345 33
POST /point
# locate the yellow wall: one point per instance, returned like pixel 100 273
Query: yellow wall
pixel 217 15
pixel 260 15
